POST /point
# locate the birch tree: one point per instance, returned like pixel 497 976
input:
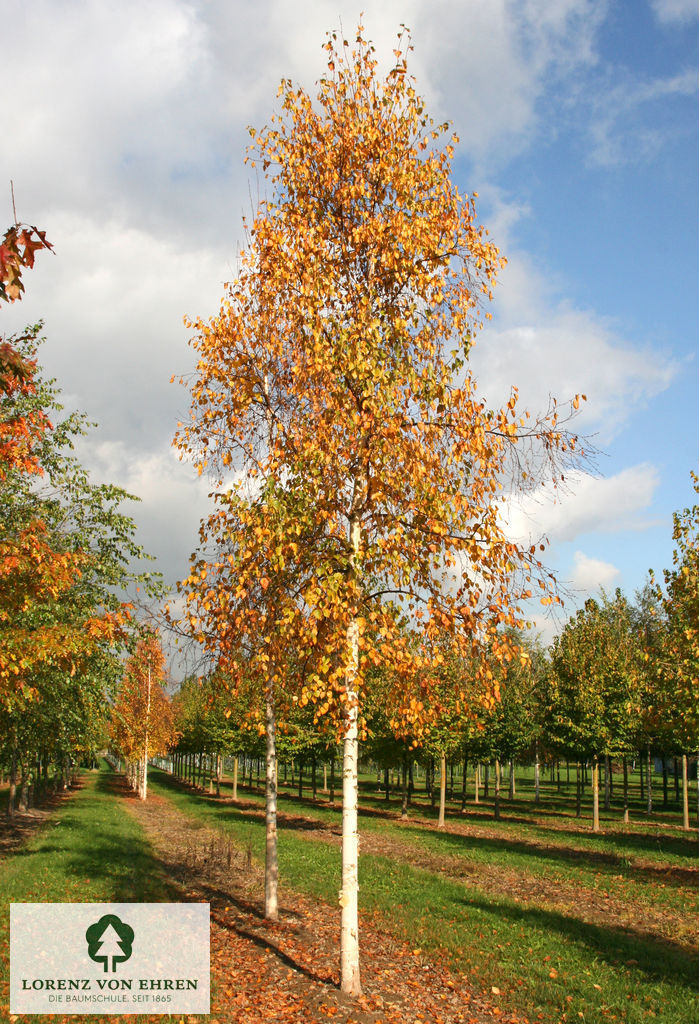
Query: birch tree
pixel 349 324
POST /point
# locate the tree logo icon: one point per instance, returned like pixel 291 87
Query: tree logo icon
pixel 109 939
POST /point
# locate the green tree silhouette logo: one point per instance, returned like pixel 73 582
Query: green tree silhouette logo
pixel 109 939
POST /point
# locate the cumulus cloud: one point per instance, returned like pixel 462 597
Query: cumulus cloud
pixel 589 574
pixel 589 504
pixel 540 343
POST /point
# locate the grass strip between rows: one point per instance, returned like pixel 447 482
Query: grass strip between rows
pixel 549 965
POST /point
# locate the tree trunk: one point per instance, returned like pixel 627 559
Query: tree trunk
pixel 235 777
pixel 497 789
pixel 332 779
pixel 442 789
pixel 271 863
pixel 325 778
pixel 404 793
pixel 349 896
pixel 676 765
pixel 650 784
pixel 641 773
pixel 685 795
pixel 300 794
pixel 219 772
pixel 607 787
pixel 626 790
pixel 595 793
pixel 578 790
pixel 387 785
pixel 537 774
pixel 463 786
pixel 477 783
pixel 13 784
pixel 314 783
pixel 512 780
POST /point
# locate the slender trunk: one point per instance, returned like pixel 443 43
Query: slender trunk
pixel 685 795
pixel 349 897
pixel 23 789
pixel 626 790
pixel 387 786
pixel 300 780
pixel 537 774
pixel 235 777
pixel 650 785
pixel 325 778
pixel 332 779
pixel 676 764
pixel 451 781
pixel 578 790
pixel 314 785
pixel 463 786
pixel 349 937
pixel 442 789
pixel 486 780
pixel 404 793
pixel 512 780
pixel 497 788
pixel 13 784
pixel 641 773
pixel 411 784
pixel 433 788
pixel 607 787
pixel 271 863
pixel 219 772
pixel 595 793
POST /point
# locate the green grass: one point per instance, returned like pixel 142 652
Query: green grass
pixel 91 851
pixel 622 861
pixel 551 965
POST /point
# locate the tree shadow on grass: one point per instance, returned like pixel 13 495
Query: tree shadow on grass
pixel 658 958
pixel 601 860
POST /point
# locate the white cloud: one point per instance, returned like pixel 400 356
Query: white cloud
pixel 589 574
pixel 675 11
pixel 173 499
pixel 588 505
pixel 545 347
pixel 624 126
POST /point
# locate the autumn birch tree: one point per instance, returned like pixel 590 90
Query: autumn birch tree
pixel 349 323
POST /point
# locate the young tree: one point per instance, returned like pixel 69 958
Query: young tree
pixel 350 324
pixel 142 717
pixel 678 664
pixel 596 695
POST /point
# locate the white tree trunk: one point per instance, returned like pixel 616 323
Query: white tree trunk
pixel 442 789
pixel 685 795
pixel 349 896
pixel 271 862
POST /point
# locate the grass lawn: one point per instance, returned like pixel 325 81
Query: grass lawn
pixel 90 851
pixel 526 906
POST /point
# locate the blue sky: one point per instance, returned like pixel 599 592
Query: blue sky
pixel 578 126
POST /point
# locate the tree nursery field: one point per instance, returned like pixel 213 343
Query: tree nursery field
pixel 532 917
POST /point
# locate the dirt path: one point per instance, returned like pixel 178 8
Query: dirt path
pixel 289 972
